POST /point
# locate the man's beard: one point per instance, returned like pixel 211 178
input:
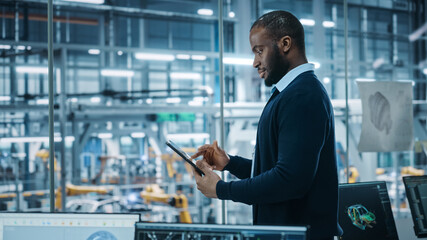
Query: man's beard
pixel 278 68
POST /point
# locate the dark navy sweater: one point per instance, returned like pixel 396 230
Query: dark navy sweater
pixel 295 178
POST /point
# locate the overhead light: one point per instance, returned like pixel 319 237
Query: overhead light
pixel 94 51
pixel 29 69
pixel 183 56
pixel 149 101
pixel 238 61
pixel 365 79
pixel 34 139
pixel 231 14
pixel 29 47
pixel 119 53
pixel 173 100
pixel 138 135
pixel 95 99
pixel 326 80
pixel 154 56
pixel 87 1
pixel 181 136
pixel 195 103
pixel 205 11
pixel 126 141
pixel 74 100
pixel 4 98
pixel 117 73
pixel 4 46
pixel 184 75
pixel 425 71
pixel 21 47
pixel 23 139
pixel 307 22
pixel 316 65
pixel 43 101
pixel 328 24
pixel 105 135
pixel 198 57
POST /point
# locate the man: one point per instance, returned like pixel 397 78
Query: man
pixel 293 177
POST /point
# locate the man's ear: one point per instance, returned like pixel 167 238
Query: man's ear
pixel 285 44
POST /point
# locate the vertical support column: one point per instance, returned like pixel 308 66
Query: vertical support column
pixel 58 26
pixel 221 80
pixel 259 8
pixel 3 23
pixel 394 50
pixel 144 72
pixel 13 82
pixel 129 56
pixel 395 157
pixel 63 122
pixel 111 39
pixel 319 33
pixel 16 173
pixel 347 145
pixel 334 81
pixel 363 38
pixel 67 28
pixel 168 79
pixel 102 84
pixel 51 129
pixel 75 164
pixel 244 89
pixel 26 177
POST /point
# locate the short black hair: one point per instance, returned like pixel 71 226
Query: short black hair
pixel 280 24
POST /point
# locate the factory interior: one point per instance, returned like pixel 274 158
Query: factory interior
pixel 104 84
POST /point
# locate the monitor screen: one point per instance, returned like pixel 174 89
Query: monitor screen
pixel 145 231
pixel 67 226
pixel 365 211
pixel 416 192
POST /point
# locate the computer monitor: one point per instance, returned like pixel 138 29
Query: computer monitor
pixel 67 226
pixel 416 192
pixel 365 211
pixel 146 231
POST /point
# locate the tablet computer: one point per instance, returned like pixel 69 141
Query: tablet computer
pixel 184 156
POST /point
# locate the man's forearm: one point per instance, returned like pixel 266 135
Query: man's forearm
pixel 239 167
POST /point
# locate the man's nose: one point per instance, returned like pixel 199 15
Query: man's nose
pixel 255 64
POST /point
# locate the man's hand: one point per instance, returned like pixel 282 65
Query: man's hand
pixel 214 155
pixel 207 183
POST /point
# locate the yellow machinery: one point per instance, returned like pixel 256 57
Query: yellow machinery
pixel 153 193
pixel 44 155
pixel 354 174
pixel 73 190
pixel 170 158
pixel 380 171
pixel 409 170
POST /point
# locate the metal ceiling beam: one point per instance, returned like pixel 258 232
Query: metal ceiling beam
pixel 132 11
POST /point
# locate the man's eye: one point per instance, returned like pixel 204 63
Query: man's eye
pixel 259 52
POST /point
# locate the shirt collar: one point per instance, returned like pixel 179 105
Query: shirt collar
pixel 291 75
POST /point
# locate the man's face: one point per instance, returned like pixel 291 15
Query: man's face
pixel 269 60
